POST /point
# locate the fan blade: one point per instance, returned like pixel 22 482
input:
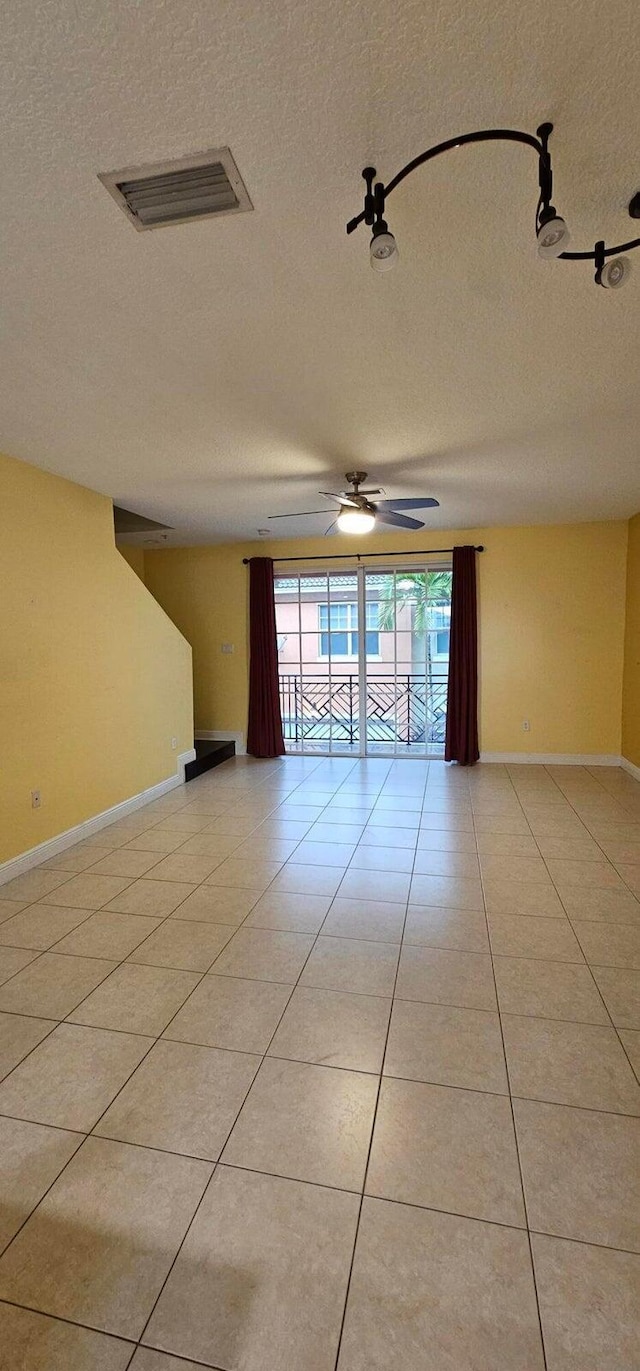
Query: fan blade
pixel 409 504
pixel 384 516
pixel 302 514
pixel 343 499
pixel 333 528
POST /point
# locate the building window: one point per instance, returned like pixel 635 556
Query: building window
pixel 338 625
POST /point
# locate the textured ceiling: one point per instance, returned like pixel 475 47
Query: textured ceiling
pixel 213 374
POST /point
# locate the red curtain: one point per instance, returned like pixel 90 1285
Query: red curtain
pixel 461 742
pixel 264 734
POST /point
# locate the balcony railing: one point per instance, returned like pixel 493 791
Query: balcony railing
pixel 398 710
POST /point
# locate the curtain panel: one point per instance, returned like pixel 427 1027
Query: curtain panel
pixel 264 732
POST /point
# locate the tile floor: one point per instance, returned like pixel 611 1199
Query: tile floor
pixel 322 1064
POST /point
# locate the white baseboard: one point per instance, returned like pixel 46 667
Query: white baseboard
pixel 630 767
pixel 16 866
pixel 223 735
pixel 552 758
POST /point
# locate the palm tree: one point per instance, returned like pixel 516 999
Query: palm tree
pixel 419 590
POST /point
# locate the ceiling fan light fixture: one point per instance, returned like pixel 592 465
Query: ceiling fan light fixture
pixel 356 521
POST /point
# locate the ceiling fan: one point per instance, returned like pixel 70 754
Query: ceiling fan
pixel 357 513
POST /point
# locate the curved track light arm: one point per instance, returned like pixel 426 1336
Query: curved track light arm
pixel 377 194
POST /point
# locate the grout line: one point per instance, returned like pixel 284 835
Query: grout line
pixel 513 1125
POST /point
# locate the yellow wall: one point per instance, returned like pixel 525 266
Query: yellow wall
pixel 94 679
pixel 551 627
pixel 134 556
pixel 631 686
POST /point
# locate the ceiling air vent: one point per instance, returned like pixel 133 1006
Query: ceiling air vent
pixel 198 187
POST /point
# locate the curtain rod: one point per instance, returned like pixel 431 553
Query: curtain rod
pixel 346 556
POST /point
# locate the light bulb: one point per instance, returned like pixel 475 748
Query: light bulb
pixel 383 251
pixel 615 273
pixel 553 237
pixel 355 521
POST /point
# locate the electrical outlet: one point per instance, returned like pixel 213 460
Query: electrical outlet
pixel 36 799
pixel 174 743
pixel 226 647
pixel 526 726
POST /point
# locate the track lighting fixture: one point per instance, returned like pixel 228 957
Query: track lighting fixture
pixel 612 269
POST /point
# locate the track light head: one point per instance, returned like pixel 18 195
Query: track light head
pixel 553 235
pixel 383 249
pixel 614 274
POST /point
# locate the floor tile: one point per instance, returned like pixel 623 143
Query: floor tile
pixel 153 898
pixel 521 936
pixel 33 885
pixel 216 845
pixel 105 935
pixel 18 1036
pixel 516 897
pixel 588 1305
pixel 452 892
pixel 31 1156
pixel 309 853
pixel 548 990
pixel 189 946
pixel 630 873
pixel 620 990
pixel 608 944
pixel 87 891
pixel 156 840
pixel 453 823
pixel 335 833
pixel 298 879
pixel 446 1149
pixel 584 875
pixel 289 913
pixel 601 906
pixel 136 999
pixel 438 976
pixel 569 1063
pixel 53 985
pixel 507 845
pixel 9 907
pixel 264 955
pixel 233 872
pixel 374 858
pixel 71 1077
pixel 382 835
pixel 307 1122
pixel 359 966
pixel 445 840
pixel 435 1292
pixel 333 1029
pixel 261 1279
pixel 446 1046
pixel 520 870
pixel 182 822
pixel 146 1359
pixel 182 1098
pixel 123 862
pixel 434 863
pixel 99 1246
pixel 501 823
pixel 462 930
pixel 180 866
pixel 580 1171
pixel 40 926
pixel 368 919
pixel 388 886
pixel 225 1011
pixel 217 905
pixel 79 857
pixel 257 848
pixel 13 959
pixel 39 1343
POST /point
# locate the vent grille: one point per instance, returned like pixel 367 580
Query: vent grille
pixel 199 187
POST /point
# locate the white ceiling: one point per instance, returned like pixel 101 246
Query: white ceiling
pixel 216 373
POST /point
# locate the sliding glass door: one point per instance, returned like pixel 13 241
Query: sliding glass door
pixel 363 659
